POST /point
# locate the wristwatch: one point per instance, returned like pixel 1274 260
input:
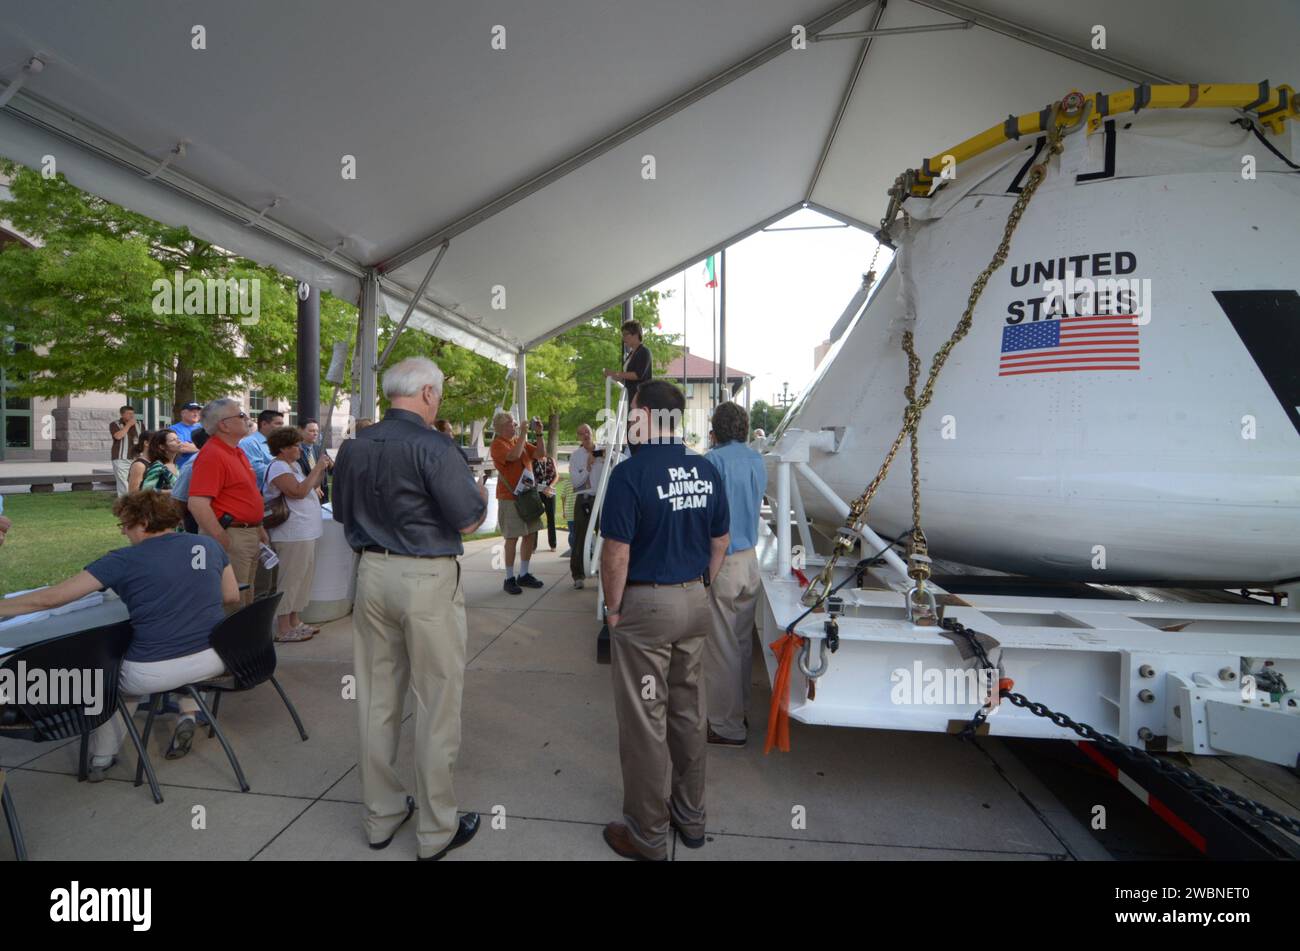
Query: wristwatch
pixel 609 610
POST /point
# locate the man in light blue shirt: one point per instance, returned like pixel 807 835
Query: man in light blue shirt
pixel 254 445
pixel 734 593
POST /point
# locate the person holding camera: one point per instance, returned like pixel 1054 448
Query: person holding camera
pixel 513 457
pixel 125 431
pixel 584 479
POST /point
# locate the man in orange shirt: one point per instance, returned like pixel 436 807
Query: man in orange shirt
pixel 513 455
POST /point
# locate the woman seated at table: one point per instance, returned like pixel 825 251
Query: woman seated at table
pixel 170 638
pixel 164 447
pixel 140 465
pixel 294 540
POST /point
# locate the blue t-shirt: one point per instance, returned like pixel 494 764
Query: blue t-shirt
pixel 185 433
pixel 745 477
pixel 172 587
pixel 668 505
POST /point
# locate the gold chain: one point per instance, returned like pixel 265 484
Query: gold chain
pixel 856 519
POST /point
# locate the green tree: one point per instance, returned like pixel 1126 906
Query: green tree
pixel 472 384
pixel 85 303
pixel 764 416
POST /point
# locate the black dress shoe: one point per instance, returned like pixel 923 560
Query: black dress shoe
pixel 467 829
pixel 722 740
pixel 410 811
pixel 511 587
pixel 690 841
pixel 528 581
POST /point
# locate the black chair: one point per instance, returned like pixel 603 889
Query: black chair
pixel 11 819
pixel 245 642
pixel 99 648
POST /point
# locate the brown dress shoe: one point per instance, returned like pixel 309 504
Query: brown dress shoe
pixel 620 840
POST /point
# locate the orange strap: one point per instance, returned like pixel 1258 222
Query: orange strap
pixel 786 649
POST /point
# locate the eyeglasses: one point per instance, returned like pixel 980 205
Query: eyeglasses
pixel 240 416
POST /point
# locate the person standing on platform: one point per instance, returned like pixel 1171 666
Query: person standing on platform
pixel 185 430
pixel 637 363
pixel 125 431
pixel 512 454
pixel 405 496
pixel 254 444
pixel 665 528
pixel 223 494
pixel 733 596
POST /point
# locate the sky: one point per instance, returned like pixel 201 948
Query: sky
pixel 785 291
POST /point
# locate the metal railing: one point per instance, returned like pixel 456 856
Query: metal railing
pixel 614 437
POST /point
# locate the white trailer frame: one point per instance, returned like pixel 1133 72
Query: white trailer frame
pixel 1155 674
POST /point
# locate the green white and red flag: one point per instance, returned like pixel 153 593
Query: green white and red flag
pixel 710 271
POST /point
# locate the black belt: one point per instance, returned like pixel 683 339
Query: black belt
pixel 400 554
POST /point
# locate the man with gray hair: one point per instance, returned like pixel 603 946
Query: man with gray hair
pixel 224 498
pixel 405 497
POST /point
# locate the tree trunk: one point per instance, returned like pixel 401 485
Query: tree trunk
pixel 184 390
pixel 553 438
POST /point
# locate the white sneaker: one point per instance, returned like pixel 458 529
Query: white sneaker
pixel 577 584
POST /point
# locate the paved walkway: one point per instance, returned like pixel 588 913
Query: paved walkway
pixel 540 747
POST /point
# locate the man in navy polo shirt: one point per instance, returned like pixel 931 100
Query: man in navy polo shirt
pixel 665 527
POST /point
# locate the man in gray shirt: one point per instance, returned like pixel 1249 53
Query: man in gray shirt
pixel 405 497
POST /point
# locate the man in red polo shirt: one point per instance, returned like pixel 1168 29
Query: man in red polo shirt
pixel 223 491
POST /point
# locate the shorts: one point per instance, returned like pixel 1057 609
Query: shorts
pixel 509 522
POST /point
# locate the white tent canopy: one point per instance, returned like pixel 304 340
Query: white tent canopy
pixel 533 161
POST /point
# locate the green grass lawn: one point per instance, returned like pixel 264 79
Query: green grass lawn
pixel 55 535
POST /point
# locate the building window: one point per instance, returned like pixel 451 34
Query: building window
pixel 15 411
pixel 256 402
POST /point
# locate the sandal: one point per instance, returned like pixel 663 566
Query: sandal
pixel 293 634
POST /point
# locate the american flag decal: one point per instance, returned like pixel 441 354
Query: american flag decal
pixel 1071 343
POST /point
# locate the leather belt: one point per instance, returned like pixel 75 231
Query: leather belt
pixel 244 525
pixel 400 554
pixel 665 584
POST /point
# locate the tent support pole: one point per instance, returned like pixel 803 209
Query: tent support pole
pixel 369 343
pixel 410 308
pixel 521 390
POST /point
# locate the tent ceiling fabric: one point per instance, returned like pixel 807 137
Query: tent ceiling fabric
pixel 440 123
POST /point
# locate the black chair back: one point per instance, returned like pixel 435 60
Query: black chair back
pixel 245 642
pixel 97 649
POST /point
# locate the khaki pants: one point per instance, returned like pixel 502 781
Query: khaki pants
pixel 245 543
pixel 657 652
pixel 296 570
pixel 410 629
pixel 733 598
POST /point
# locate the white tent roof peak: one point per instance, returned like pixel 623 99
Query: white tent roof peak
pixel 589 150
